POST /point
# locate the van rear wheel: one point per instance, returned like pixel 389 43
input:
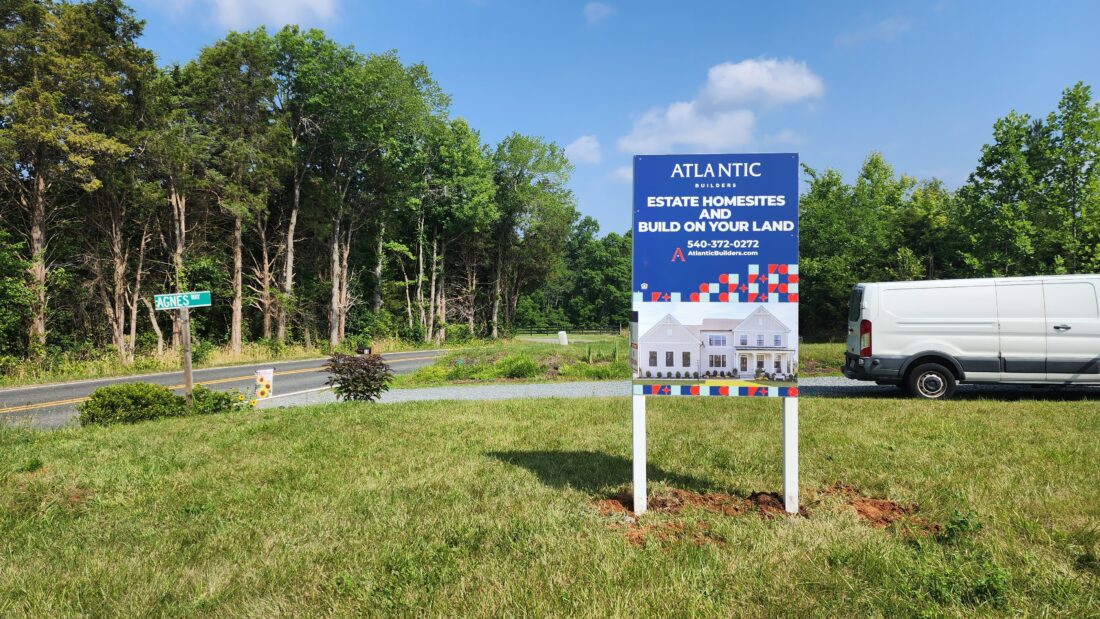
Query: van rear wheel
pixel 930 381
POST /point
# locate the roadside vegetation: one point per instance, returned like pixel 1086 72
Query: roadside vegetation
pixel 598 358
pixel 820 359
pixel 515 508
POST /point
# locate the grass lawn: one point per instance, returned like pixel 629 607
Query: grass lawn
pixel 820 359
pixel 501 508
pixel 607 358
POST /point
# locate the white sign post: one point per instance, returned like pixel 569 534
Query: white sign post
pixel 715 289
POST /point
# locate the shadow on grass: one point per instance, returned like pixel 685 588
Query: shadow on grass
pixel 589 471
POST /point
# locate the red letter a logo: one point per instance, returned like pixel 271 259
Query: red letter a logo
pixel 678 253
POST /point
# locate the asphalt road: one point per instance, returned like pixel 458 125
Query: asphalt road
pixel 51 406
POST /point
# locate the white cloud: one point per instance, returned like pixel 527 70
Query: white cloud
pixel 884 31
pixel 766 81
pixel 623 173
pixel 596 12
pixel 247 14
pixel 585 149
pixel 721 117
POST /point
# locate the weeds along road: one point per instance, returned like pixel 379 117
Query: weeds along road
pixel 51 406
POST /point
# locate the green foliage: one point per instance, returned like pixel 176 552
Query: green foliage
pixel 130 403
pixel 201 351
pixel 359 377
pixel 518 366
pixel 206 401
pixel 15 297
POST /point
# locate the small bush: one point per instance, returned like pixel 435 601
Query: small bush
pixel 677 373
pixel 130 403
pixel 209 402
pixel 518 366
pixel 201 352
pixel 358 377
pixel 648 374
pixel 459 334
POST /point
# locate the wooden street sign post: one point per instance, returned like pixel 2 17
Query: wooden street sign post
pixel 183 302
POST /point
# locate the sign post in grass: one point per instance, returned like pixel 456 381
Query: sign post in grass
pixel 183 302
pixel 715 288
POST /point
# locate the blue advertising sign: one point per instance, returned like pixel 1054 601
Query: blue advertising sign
pixel 715 288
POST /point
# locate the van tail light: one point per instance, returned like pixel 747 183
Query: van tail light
pixel 865 338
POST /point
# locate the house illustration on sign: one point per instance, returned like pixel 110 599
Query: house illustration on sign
pixel 718 346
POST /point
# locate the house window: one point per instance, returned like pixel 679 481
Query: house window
pixel 760 339
pixel 760 363
pixel 744 339
pixel 717 361
pixel 716 340
pixel 744 364
pixel 778 340
pixel 653 358
pixel 776 367
pixel 668 359
pixel 687 359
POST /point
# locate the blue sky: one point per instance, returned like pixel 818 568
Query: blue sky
pixel 922 83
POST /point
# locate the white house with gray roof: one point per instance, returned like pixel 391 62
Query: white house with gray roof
pixel 739 347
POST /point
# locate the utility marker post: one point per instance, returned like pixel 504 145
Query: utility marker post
pixel 638 425
pixel 790 455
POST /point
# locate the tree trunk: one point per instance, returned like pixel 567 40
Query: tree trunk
pixel 420 269
pixel 495 315
pixel 471 292
pixel 178 203
pixel 156 326
pixel 117 309
pixel 429 327
pixel 264 275
pixel 345 273
pixel 238 291
pixel 37 270
pixel 441 331
pixel 135 297
pixel 288 264
pixel 376 302
pixel 334 299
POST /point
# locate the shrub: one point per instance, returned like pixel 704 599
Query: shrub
pixel 677 373
pixel 209 402
pixel 459 334
pixel 201 352
pixel 648 374
pixel 358 377
pixel 695 374
pixel 518 366
pixel 129 403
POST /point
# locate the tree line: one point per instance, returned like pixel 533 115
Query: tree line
pixel 329 195
pixel 320 191
pixel 1030 207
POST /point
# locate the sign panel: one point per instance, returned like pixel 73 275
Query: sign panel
pixel 715 290
pixel 181 300
pixel 265 383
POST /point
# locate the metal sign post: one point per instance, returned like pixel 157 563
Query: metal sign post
pixel 183 302
pixel 715 289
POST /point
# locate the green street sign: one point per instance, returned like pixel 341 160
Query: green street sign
pixel 182 300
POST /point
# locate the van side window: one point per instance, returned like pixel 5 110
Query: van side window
pixel 1070 300
pixel 853 304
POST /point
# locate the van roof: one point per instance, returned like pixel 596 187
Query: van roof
pixel 933 283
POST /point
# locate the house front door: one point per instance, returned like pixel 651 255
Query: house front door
pixel 744 363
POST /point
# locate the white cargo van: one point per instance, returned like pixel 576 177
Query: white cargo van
pixel 929 336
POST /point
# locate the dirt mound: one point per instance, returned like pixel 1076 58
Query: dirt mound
pixel 770 505
pixel 677 500
pixel 880 512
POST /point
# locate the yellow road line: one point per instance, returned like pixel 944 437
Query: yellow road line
pixel 216 381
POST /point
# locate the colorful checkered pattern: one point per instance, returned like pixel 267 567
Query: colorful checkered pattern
pixel 774 283
pixel 705 390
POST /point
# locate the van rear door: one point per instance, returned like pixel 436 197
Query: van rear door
pixel 1022 330
pixel 1072 331
pixel 855 302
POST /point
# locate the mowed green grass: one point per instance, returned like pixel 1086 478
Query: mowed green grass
pixel 486 509
pixel 820 359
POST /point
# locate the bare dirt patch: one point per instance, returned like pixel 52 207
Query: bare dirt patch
pixel 881 513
